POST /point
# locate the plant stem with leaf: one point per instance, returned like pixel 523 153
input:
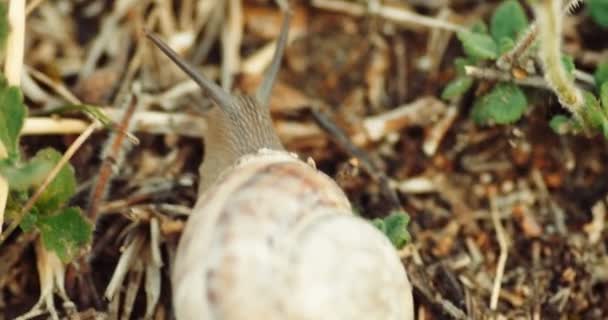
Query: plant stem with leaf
pixel 12 69
pixel 549 19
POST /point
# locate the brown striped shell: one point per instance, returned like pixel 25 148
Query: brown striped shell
pixel 276 239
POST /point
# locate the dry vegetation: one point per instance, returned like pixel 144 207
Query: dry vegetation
pixel 506 221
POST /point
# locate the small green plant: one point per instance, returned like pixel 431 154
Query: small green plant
pixel 598 10
pixel 63 229
pixel 395 227
pixel 506 102
pixel 510 34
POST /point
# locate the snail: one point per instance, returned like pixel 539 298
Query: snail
pixel 270 236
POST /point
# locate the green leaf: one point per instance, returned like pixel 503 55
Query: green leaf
pixel 604 97
pixel 3 24
pixel 65 233
pixel 505 44
pixel 508 21
pixel 28 223
pixel 479 27
pixel 568 63
pixel 61 189
pixel 379 223
pixel 395 228
pixel 478 45
pixel 505 104
pixel 592 114
pixel 12 117
pixel 460 63
pixel 457 87
pixel 601 74
pixel 599 11
pixel 21 177
pixel 560 124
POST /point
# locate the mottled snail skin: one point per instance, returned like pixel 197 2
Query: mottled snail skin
pixel 271 237
pixel 245 129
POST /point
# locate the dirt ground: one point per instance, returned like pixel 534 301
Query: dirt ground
pixel 518 202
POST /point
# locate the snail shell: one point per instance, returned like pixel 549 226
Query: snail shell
pixel 272 238
pixel 276 239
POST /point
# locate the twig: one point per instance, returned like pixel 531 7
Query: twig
pixel 419 112
pixel 62 162
pixel 15 42
pixel 393 14
pixel 258 61
pixel 437 132
pixel 32 6
pixel 212 30
pixel 134 282
pixel 152 122
pixel 232 36
pixel 108 33
pixel 56 86
pixel 498 75
pixel 595 228
pixel 503 243
pixel 114 149
pixel 127 258
pixel 112 157
pixel 558 213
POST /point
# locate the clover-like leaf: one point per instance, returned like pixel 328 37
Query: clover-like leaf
pixel 508 21
pixel 395 228
pixel 479 46
pixel 505 44
pixel 505 104
pixel 12 117
pixel 457 87
pixel 22 176
pixel 479 26
pixel 598 9
pixel 61 189
pixel 560 124
pixel 65 233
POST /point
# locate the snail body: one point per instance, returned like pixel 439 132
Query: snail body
pixel 270 236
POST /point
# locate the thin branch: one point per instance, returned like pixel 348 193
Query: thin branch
pixel 393 14
pixel 506 61
pixel 32 6
pixel 151 122
pixel 15 42
pixel 128 98
pixel 549 19
pixel 503 243
pixel 113 155
pixel 498 75
pixel 232 36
